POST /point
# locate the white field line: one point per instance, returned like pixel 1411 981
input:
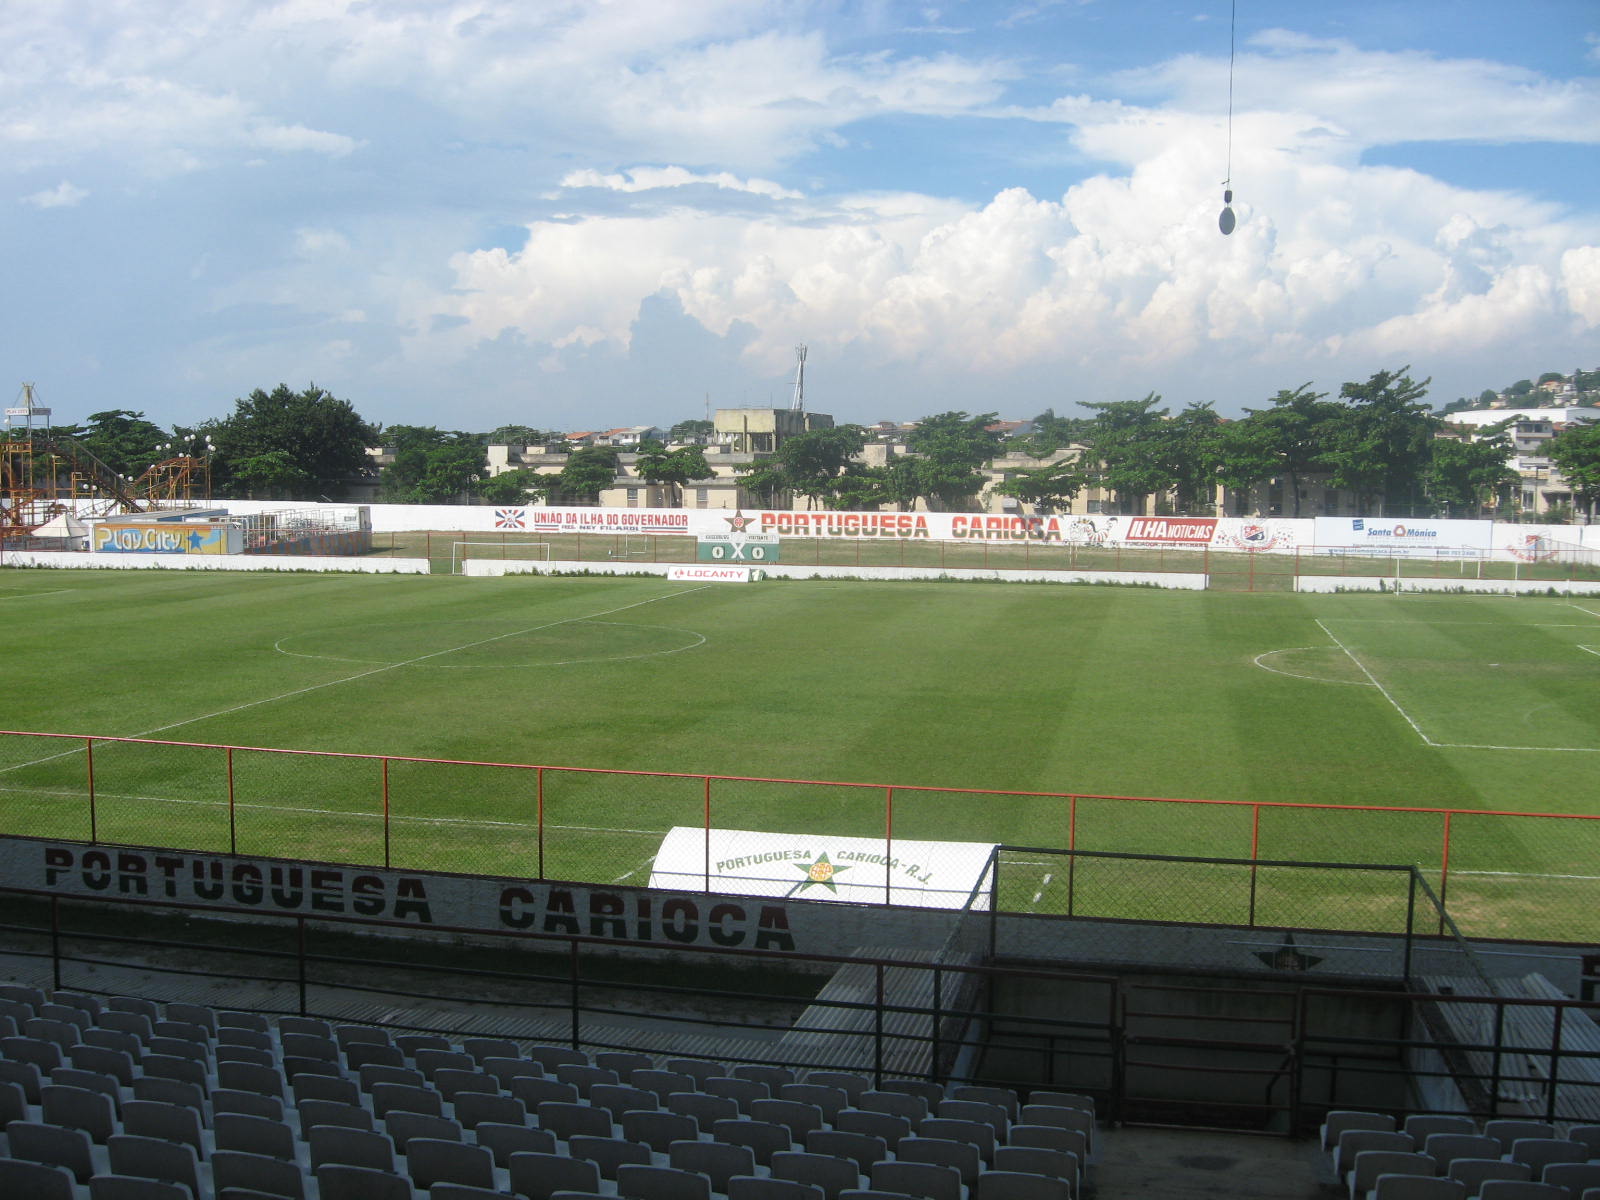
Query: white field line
pixel 1039 895
pixel 1373 679
pixel 1528 875
pixel 1297 674
pixel 1417 729
pixel 317 687
pixel 1589 612
pixel 700 640
pixel 31 595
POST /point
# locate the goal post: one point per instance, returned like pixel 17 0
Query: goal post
pixel 516 551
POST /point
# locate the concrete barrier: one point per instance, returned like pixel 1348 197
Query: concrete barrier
pixel 213 562
pixel 1195 581
pixel 1479 587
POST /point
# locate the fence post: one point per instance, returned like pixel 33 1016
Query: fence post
pixel 708 832
pixel 888 844
pixel 233 818
pixel 386 822
pixel 1072 852
pixel 577 1026
pixel 300 960
pixel 877 1028
pixel 1411 919
pixel 1255 847
pixel 94 816
pixel 55 941
pixel 1444 874
pixel 539 816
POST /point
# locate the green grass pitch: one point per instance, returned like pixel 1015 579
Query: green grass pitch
pixel 1393 702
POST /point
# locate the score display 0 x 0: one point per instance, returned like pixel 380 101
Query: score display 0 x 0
pixel 737 548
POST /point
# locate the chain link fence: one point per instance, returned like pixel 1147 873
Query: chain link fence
pixel 1500 874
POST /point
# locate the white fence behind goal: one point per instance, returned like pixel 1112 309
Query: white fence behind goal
pixel 517 551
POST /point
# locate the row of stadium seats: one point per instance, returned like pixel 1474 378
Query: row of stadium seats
pixel 1442 1156
pixel 124 1099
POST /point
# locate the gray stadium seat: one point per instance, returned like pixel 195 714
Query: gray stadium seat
pixel 505 1140
pixel 661 1183
pixel 36 1181
pixel 761 1187
pixel 153 1158
pixel 608 1153
pixel 918 1179
pixel 718 1161
pixel 132 1187
pixel 352 1147
pixel 52 1145
pixel 1010 1185
pixel 832 1175
pixel 860 1148
pixel 1340 1119
pixel 538 1176
pixel 237 1168
pixel 431 1160
pixel 337 1181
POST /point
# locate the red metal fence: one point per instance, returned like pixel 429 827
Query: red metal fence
pixel 1501 874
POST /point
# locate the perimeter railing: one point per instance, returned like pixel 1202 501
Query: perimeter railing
pixel 1524 875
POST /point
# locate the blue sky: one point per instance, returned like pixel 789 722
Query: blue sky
pixel 578 215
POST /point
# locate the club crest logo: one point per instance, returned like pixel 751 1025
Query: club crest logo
pixel 819 873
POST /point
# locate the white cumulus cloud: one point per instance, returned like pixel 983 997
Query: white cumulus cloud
pixel 63 195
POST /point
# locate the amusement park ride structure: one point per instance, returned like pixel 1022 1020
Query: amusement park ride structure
pixel 45 472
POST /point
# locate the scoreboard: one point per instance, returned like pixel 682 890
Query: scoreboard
pixel 737 548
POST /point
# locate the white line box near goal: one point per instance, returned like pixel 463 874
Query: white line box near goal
pixel 811 866
pixel 460 552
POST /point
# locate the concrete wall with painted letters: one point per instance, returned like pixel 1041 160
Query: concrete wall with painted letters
pixel 406 901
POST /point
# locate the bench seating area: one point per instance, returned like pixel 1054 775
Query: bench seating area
pixel 1442 1156
pixel 122 1098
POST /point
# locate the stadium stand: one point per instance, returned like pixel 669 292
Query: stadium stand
pixel 121 1098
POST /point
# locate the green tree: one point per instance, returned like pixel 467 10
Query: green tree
pixel 1383 442
pixel 431 466
pixel 1052 433
pixel 812 464
pixel 123 440
pixel 1575 452
pixel 1290 441
pixel 587 473
pixel 1520 388
pixel 289 445
pixel 1191 451
pixel 1461 476
pixel 949 451
pixel 512 487
pixel 1128 450
pixel 1047 488
pixel 691 431
pixel 1552 377
pixel 520 435
pixel 674 468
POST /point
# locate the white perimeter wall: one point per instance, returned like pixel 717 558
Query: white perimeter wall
pixel 1192 581
pixel 213 562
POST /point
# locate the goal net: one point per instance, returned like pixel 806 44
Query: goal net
pixel 518 551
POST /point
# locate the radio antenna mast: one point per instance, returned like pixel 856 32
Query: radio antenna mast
pixel 798 404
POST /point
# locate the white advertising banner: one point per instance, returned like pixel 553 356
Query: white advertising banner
pixel 807 866
pixel 1403 537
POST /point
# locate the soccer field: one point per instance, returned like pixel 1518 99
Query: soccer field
pixel 1394 702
